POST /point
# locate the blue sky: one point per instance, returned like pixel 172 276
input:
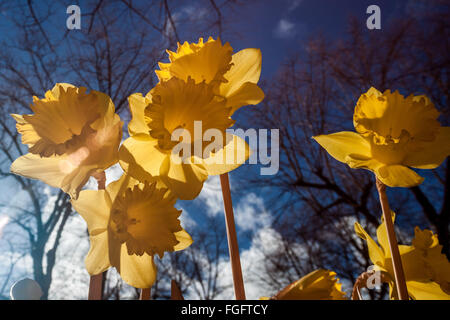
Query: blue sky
pixel 282 27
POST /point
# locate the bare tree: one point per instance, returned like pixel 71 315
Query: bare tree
pixel 315 198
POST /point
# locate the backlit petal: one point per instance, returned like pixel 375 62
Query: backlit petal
pixel 248 94
pixel 317 285
pixel 137 124
pixel 382 236
pixel 140 157
pixel 97 259
pixel 93 207
pixel 375 253
pixel 398 176
pixel 342 144
pixel 230 157
pixel 56 171
pixel 29 135
pixel 246 68
pixel 430 155
pixel 184 240
pixel 137 271
pixel 426 291
pixel 185 180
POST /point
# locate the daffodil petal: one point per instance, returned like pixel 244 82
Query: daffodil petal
pixel 246 67
pixel 139 157
pixel 248 94
pixel 414 266
pixel 382 236
pixel 375 253
pixel 97 259
pixel 137 124
pixel 426 291
pixel 106 109
pixel 137 271
pixel 55 171
pixel 434 259
pixel 185 180
pixel 56 90
pixel 320 284
pixel 230 157
pixel 29 135
pixel 433 153
pixel 92 206
pixel 119 186
pixel 342 144
pixel 398 176
pixel 184 240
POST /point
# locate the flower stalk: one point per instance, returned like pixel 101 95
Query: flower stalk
pixel 145 294
pixel 175 292
pixel 96 281
pixel 400 282
pixel 233 247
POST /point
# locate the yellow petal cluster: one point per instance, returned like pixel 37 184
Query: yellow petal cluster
pixel 71 135
pixel 392 134
pixel 129 223
pixel 320 284
pixel 234 76
pixel 203 83
pixel 74 134
pixel 427 270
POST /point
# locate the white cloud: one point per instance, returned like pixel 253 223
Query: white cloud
pixel 70 278
pixel 185 219
pixel 293 4
pixel 284 29
pixel 211 196
pixel 265 241
pixel 194 13
pixel 3 222
pixel 250 213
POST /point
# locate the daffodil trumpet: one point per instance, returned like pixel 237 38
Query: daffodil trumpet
pixel 320 284
pixel 71 135
pixel 399 274
pixel 233 247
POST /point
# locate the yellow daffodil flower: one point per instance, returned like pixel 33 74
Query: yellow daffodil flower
pixel 71 135
pixel 129 223
pixel 427 270
pixel 177 104
pixel 392 134
pixel 234 76
pixel 320 284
